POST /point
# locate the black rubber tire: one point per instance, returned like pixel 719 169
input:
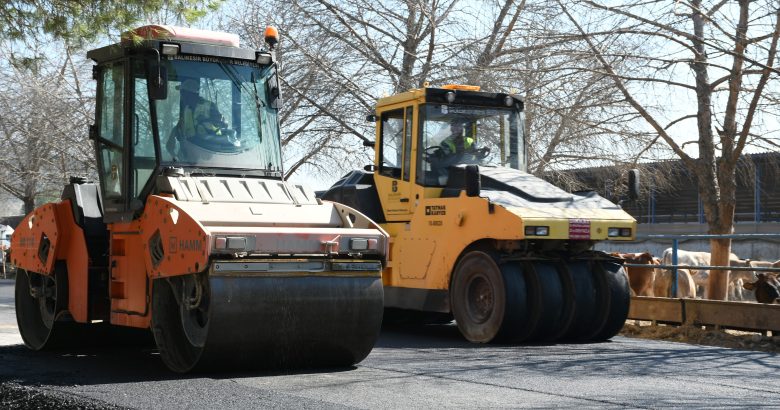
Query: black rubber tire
pixel 176 350
pixel 36 319
pixel 32 326
pixel 478 297
pixel 568 302
pixel 614 280
pixel 516 318
pixel 586 309
pixel 545 295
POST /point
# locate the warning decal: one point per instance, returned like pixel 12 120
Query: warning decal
pixel 579 229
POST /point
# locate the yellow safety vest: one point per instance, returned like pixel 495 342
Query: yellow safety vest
pixel 451 147
pixel 198 122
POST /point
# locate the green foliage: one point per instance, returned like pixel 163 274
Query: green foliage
pixel 79 21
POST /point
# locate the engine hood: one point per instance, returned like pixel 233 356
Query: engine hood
pixel 532 197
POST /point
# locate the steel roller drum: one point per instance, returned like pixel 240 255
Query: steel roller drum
pixel 268 320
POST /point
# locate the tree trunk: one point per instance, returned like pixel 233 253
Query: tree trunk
pixel 717 284
pixel 29 204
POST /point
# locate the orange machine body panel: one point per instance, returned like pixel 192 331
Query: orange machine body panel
pixel 184 243
pixel 182 247
pixel 54 223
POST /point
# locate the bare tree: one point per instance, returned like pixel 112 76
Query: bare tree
pixel 336 60
pixel 717 55
pixel 44 113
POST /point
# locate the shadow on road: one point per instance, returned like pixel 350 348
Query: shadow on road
pixel 433 350
pixel 630 357
pixel 107 365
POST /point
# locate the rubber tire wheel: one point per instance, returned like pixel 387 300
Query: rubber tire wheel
pixel 38 331
pixel 545 296
pixel 617 290
pixel 516 317
pixel 478 297
pixel 175 348
pixel 585 303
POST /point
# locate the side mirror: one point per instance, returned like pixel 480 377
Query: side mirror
pixel 370 118
pixel 274 92
pixel 157 81
pixel 633 184
pixel 473 185
pixel 369 168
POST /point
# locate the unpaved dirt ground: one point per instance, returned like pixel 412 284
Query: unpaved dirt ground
pixel 696 335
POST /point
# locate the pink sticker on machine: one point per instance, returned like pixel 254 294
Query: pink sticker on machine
pixel 579 229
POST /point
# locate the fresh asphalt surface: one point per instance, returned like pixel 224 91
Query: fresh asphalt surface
pixel 419 367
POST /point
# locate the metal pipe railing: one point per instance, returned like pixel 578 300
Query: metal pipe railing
pixel 675 246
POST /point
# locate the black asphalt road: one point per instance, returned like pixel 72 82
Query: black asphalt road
pixel 418 367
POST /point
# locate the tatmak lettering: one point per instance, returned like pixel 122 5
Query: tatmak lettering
pixel 435 210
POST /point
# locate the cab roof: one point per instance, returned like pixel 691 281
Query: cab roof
pixel 190 41
pixel 462 96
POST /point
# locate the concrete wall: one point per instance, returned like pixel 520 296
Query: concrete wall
pixel 767 249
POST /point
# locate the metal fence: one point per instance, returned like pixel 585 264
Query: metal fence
pixel 721 314
pixel 675 239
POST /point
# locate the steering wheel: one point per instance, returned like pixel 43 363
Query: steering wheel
pixel 482 153
pixel 432 152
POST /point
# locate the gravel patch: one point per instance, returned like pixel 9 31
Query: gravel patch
pixel 16 396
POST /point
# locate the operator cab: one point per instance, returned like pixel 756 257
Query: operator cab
pixel 181 100
pixel 457 125
pixel 426 136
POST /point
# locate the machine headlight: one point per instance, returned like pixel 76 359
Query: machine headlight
pixel 232 242
pixel 450 96
pixel 509 101
pixel 537 230
pixel 264 58
pixel 170 49
pixel 619 232
pixel 363 244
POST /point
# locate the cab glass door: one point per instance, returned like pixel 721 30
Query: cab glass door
pixel 394 173
pixel 111 126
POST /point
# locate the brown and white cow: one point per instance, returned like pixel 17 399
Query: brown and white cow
pixel 767 288
pixel 763 264
pixel 738 278
pixel 640 279
pixel 692 258
pixel 662 287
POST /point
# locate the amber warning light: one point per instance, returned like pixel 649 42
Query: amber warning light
pixel 271 36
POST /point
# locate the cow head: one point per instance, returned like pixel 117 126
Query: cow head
pixel 766 286
pixel 644 258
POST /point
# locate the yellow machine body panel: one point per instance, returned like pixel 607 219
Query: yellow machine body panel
pixel 425 249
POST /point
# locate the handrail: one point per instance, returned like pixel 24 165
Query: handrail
pixel 710 236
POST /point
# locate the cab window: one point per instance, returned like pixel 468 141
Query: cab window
pixel 111 131
pixel 392 143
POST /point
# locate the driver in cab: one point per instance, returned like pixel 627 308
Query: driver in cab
pixel 199 118
pixel 458 142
